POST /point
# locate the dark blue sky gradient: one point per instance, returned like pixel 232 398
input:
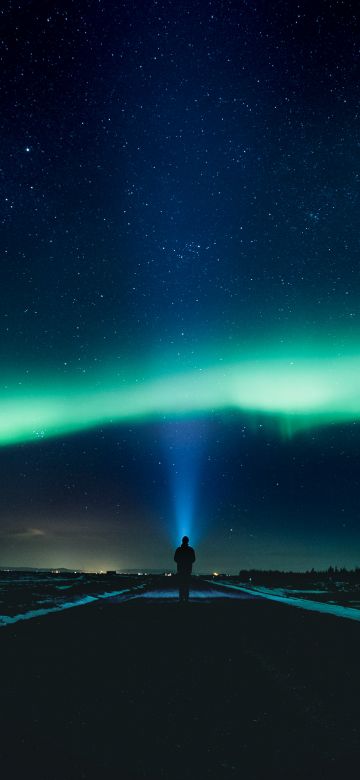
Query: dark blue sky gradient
pixel 178 179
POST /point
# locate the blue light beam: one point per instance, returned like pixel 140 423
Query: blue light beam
pixel 184 445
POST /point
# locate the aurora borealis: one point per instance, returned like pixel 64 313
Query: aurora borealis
pixel 180 287
pixel 295 394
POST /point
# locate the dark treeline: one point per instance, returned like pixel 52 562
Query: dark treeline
pixel 331 575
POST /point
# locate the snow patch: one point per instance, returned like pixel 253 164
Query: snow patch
pixel 6 620
pixel 313 606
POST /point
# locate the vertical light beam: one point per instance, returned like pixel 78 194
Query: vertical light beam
pixel 184 442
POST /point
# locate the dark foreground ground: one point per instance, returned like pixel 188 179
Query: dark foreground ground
pixel 149 689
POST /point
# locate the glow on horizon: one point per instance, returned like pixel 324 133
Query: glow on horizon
pixel 296 394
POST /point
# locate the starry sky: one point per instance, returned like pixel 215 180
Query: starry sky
pixel 180 287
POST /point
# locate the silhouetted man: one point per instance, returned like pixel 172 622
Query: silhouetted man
pixel 184 557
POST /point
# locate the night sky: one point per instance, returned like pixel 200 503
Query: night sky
pixel 180 286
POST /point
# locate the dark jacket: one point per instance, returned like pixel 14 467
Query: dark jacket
pixel 184 557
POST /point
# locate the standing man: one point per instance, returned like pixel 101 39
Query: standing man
pixel 184 557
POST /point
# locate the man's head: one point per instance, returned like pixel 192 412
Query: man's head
pixel 185 541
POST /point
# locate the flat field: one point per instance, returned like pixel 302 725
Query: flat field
pixel 149 688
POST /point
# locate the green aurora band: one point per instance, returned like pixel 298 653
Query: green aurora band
pixel 291 394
